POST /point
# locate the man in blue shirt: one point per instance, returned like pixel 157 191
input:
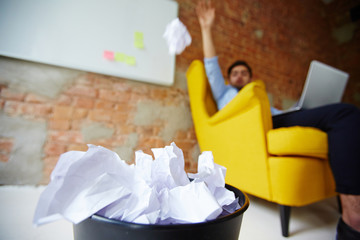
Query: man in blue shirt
pixel 339 121
pixel 240 74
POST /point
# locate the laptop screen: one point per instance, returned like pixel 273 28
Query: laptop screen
pixel 324 85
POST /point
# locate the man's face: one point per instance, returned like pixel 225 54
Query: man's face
pixel 239 76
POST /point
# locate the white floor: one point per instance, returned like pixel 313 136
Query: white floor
pixel 261 220
pixel 316 221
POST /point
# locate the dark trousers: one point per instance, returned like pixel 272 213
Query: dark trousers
pixel 342 124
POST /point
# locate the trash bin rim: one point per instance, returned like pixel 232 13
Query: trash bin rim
pixel 240 211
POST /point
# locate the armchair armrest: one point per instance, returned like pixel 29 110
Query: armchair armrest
pixel 298 141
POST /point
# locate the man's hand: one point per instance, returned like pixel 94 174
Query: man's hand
pixel 206 14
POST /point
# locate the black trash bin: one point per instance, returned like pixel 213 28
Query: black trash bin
pixel 223 228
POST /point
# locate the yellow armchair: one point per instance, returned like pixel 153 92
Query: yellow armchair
pixel 287 166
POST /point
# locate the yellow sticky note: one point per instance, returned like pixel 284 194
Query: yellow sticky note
pixel 139 35
pixel 130 60
pixel 139 44
pixel 119 57
pixel 139 40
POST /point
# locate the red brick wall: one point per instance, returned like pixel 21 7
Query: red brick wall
pixel 6 145
pixel 277 38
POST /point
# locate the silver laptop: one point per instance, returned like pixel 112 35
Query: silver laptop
pixel 324 85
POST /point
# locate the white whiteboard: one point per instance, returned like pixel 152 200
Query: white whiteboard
pixel 76 33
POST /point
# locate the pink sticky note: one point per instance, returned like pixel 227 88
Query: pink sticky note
pixel 109 55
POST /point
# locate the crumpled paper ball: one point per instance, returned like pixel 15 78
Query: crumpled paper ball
pixel 177 36
pixel 150 191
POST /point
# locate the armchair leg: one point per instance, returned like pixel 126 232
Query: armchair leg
pixel 285 218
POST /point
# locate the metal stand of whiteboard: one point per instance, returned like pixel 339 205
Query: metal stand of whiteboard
pixel 122 38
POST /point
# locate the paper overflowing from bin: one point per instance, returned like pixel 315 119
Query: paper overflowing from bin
pixel 149 192
pixel 177 36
